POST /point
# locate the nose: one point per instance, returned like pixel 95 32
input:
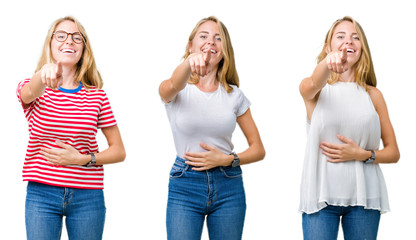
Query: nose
pixel 69 40
pixel 210 40
pixel 348 40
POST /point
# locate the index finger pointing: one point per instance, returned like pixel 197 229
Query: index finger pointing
pixel 344 55
pixel 207 56
pixel 59 68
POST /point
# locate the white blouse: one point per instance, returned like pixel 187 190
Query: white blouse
pixel 345 109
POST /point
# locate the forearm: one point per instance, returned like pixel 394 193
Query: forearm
pixel 254 153
pixel 34 89
pixel 115 151
pixel 387 155
pixel 170 88
pixel 110 155
pixel 113 154
pixel 310 86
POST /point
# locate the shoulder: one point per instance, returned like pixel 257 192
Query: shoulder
pixel 236 90
pixel 374 92
pixel 93 93
pixel 376 97
pixel 93 90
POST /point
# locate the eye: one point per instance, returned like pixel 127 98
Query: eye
pixel 61 36
pixel 356 38
pixel 77 37
pixel 340 37
pixel 202 36
pixel 218 38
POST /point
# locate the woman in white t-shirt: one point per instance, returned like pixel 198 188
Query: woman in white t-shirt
pixel 203 104
pixel 347 117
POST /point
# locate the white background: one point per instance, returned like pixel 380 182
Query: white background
pixel 137 44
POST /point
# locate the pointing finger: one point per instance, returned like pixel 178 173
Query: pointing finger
pixel 207 56
pixel 344 55
pixel 59 68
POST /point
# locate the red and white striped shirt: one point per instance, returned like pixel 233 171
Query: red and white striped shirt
pixel 70 116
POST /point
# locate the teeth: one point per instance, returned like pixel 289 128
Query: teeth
pixel 68 50
pixel 211 50
pixel 350 50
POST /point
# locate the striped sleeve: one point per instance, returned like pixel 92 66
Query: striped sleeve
pixel 26 108
pixel 106 117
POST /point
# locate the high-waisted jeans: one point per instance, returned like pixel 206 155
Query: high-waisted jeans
pixel 217 194
pixel 46 206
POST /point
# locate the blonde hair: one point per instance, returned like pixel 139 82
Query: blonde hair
pixel 227 72
pixel 86 71
pixel 364 73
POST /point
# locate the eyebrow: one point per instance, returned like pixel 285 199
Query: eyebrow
pixel 67 32
pixel 345 33
pixel 205 32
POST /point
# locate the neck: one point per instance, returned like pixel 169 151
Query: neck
pixel 68 78
pixel 209 82
pixel 347 76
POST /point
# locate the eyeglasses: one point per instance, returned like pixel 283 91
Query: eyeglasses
pixel 61 36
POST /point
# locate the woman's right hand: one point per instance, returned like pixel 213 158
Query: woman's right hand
pixel 199 62
pixel 337 61
pixel 51 75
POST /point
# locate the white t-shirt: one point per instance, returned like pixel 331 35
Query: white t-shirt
pixel 205 117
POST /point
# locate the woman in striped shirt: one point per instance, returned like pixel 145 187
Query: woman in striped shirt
pixel 65 105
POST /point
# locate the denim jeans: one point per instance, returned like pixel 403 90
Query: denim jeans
pixel 217 194
pixel 357 223
pixel 46 205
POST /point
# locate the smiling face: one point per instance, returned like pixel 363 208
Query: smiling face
pixel 346 36
pixel 67 52
pixel 207 38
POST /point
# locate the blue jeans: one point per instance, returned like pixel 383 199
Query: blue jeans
pixel 46 205
pixel 217 194
pixel 357 223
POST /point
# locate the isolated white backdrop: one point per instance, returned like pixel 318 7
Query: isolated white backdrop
pixel 137 44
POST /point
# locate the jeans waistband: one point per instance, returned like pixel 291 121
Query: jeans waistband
pixel 181 161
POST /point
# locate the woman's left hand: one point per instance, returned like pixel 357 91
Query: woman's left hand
pixel 206 160
pixel 346 151
pixel 67 155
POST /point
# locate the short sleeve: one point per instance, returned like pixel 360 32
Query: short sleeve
pixel 27 108
pixel 243 103
pixel 106 117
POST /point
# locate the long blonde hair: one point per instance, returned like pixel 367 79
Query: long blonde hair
pixel 227 72
pixel 86 71
pixel 364 73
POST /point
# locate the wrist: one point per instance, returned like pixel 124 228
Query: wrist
pixel 372 158
pixel 235 161
pixel 91 161
pixel 365 155
pixel 229 160
pixel 83 159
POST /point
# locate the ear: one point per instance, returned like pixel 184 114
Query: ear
pixel 189 46
pixel 327 50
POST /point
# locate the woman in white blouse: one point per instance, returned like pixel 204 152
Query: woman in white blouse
pixel 204 104
pixel 347 116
